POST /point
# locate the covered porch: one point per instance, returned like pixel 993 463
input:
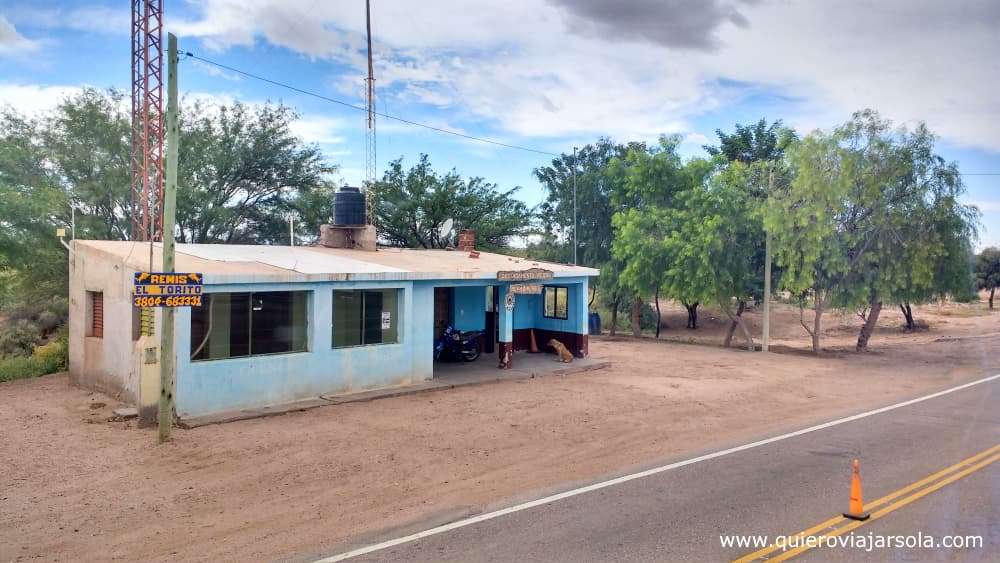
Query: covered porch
pixel 516 315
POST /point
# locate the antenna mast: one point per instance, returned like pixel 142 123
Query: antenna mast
pixel 147 120
pixel 370 161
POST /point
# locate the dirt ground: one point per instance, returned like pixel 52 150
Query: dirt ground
pixel 75 486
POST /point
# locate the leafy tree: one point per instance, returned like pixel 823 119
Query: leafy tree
pixel 241 173
pixel 821 225
pixel 921 236
pixel 753 143
pixel 32 205
pixel 988 271
pixel 654 179
pixel 413 204
pixel 868 219
pixel 598 189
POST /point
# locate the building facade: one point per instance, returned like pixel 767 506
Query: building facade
pixel 285 324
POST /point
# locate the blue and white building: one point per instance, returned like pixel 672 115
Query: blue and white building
pixel 283 324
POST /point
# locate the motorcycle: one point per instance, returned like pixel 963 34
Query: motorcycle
pixel 457 345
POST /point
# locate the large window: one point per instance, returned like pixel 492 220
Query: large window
pixel 231 325
pixel 555 302
pixel 365 316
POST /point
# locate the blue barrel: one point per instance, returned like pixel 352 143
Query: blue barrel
pixel 594 323
pixel 349 207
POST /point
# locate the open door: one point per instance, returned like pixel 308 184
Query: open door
pixel 442 309
pixel 491 334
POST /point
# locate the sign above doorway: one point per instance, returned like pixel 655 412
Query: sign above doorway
pixel 526 288
pixel 531 274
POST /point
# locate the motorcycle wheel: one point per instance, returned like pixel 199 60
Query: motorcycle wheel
pixel 470 355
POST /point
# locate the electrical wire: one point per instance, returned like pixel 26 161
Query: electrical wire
pixel 191 55
pixel 386 115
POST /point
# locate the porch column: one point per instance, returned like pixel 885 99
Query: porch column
pixel 506 348
pixel 583 318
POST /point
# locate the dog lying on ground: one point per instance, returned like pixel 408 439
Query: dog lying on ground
pixel 564 354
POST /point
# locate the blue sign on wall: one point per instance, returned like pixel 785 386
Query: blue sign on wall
pixel 152 289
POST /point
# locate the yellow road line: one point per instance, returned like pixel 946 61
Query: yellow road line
pixel 892 507
pixel 874 504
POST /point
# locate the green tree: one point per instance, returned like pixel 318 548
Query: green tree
pixel 988 271
pixel 650 178
pixel 412 206
pixel 821 224
pixel 868 219
pixel 697 245
pixel 598 190
pixel 241 174
pixel 753 143
pixel 921 235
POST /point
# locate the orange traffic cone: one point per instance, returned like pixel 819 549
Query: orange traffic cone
pixel 857 508
pixel 534 344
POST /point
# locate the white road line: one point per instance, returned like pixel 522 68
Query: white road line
pixel 631 477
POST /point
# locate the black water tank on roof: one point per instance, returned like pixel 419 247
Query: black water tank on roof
pixel 349 207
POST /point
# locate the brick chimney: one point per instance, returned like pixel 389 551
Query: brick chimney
pixel 467 240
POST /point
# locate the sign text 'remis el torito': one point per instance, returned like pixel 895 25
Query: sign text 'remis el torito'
pixel 531 274
pixel 167 289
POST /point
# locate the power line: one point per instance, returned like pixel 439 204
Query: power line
pixel 362 108
pixel 191 55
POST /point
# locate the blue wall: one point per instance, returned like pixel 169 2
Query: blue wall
pixel 220 385
pixel 212 386
pixel 468 309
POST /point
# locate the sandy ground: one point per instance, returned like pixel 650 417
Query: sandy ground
pixel 75 486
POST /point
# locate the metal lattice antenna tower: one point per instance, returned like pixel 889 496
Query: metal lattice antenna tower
pixel 147 120
pixel 370 160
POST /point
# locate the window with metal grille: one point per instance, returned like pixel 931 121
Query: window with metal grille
pixel 95 314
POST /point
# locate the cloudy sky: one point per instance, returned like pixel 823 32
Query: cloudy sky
pixel 551 74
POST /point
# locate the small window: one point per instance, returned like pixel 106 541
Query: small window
pixel 365 317
pixel 95 314
pixel 233 325
pixel 555 302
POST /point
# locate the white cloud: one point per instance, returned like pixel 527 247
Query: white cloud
pixel 570 67
pixel 32 99
pixel 987 206
pixel 12 42
pixel 93 19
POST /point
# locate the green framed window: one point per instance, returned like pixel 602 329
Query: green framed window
pixel 233 325
pixel 555 302
pixel 365 317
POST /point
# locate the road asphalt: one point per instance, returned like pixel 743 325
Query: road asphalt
pixel 779 488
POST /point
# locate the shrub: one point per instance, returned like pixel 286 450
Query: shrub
pixel 47 358
pixel 19 338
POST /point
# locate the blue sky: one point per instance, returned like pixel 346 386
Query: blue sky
pixel 551 74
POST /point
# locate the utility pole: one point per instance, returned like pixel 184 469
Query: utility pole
pixel 574 207
pixel 766 337
pixel 371 161
pixel 167 356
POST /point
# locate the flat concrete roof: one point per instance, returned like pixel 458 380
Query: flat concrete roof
pixel 239 263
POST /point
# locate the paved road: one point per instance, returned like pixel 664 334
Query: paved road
pixel 779 488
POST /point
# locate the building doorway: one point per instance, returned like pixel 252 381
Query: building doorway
pixel 443 298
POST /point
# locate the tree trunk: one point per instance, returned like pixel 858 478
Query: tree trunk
pixel 993 290
pixel 869 326
pixel 614 317
pixel 692 310
pixel 637 317
pixel 737 321
pixel 734 321
pixel 908 314
pixel 817 323
pixel 656 299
